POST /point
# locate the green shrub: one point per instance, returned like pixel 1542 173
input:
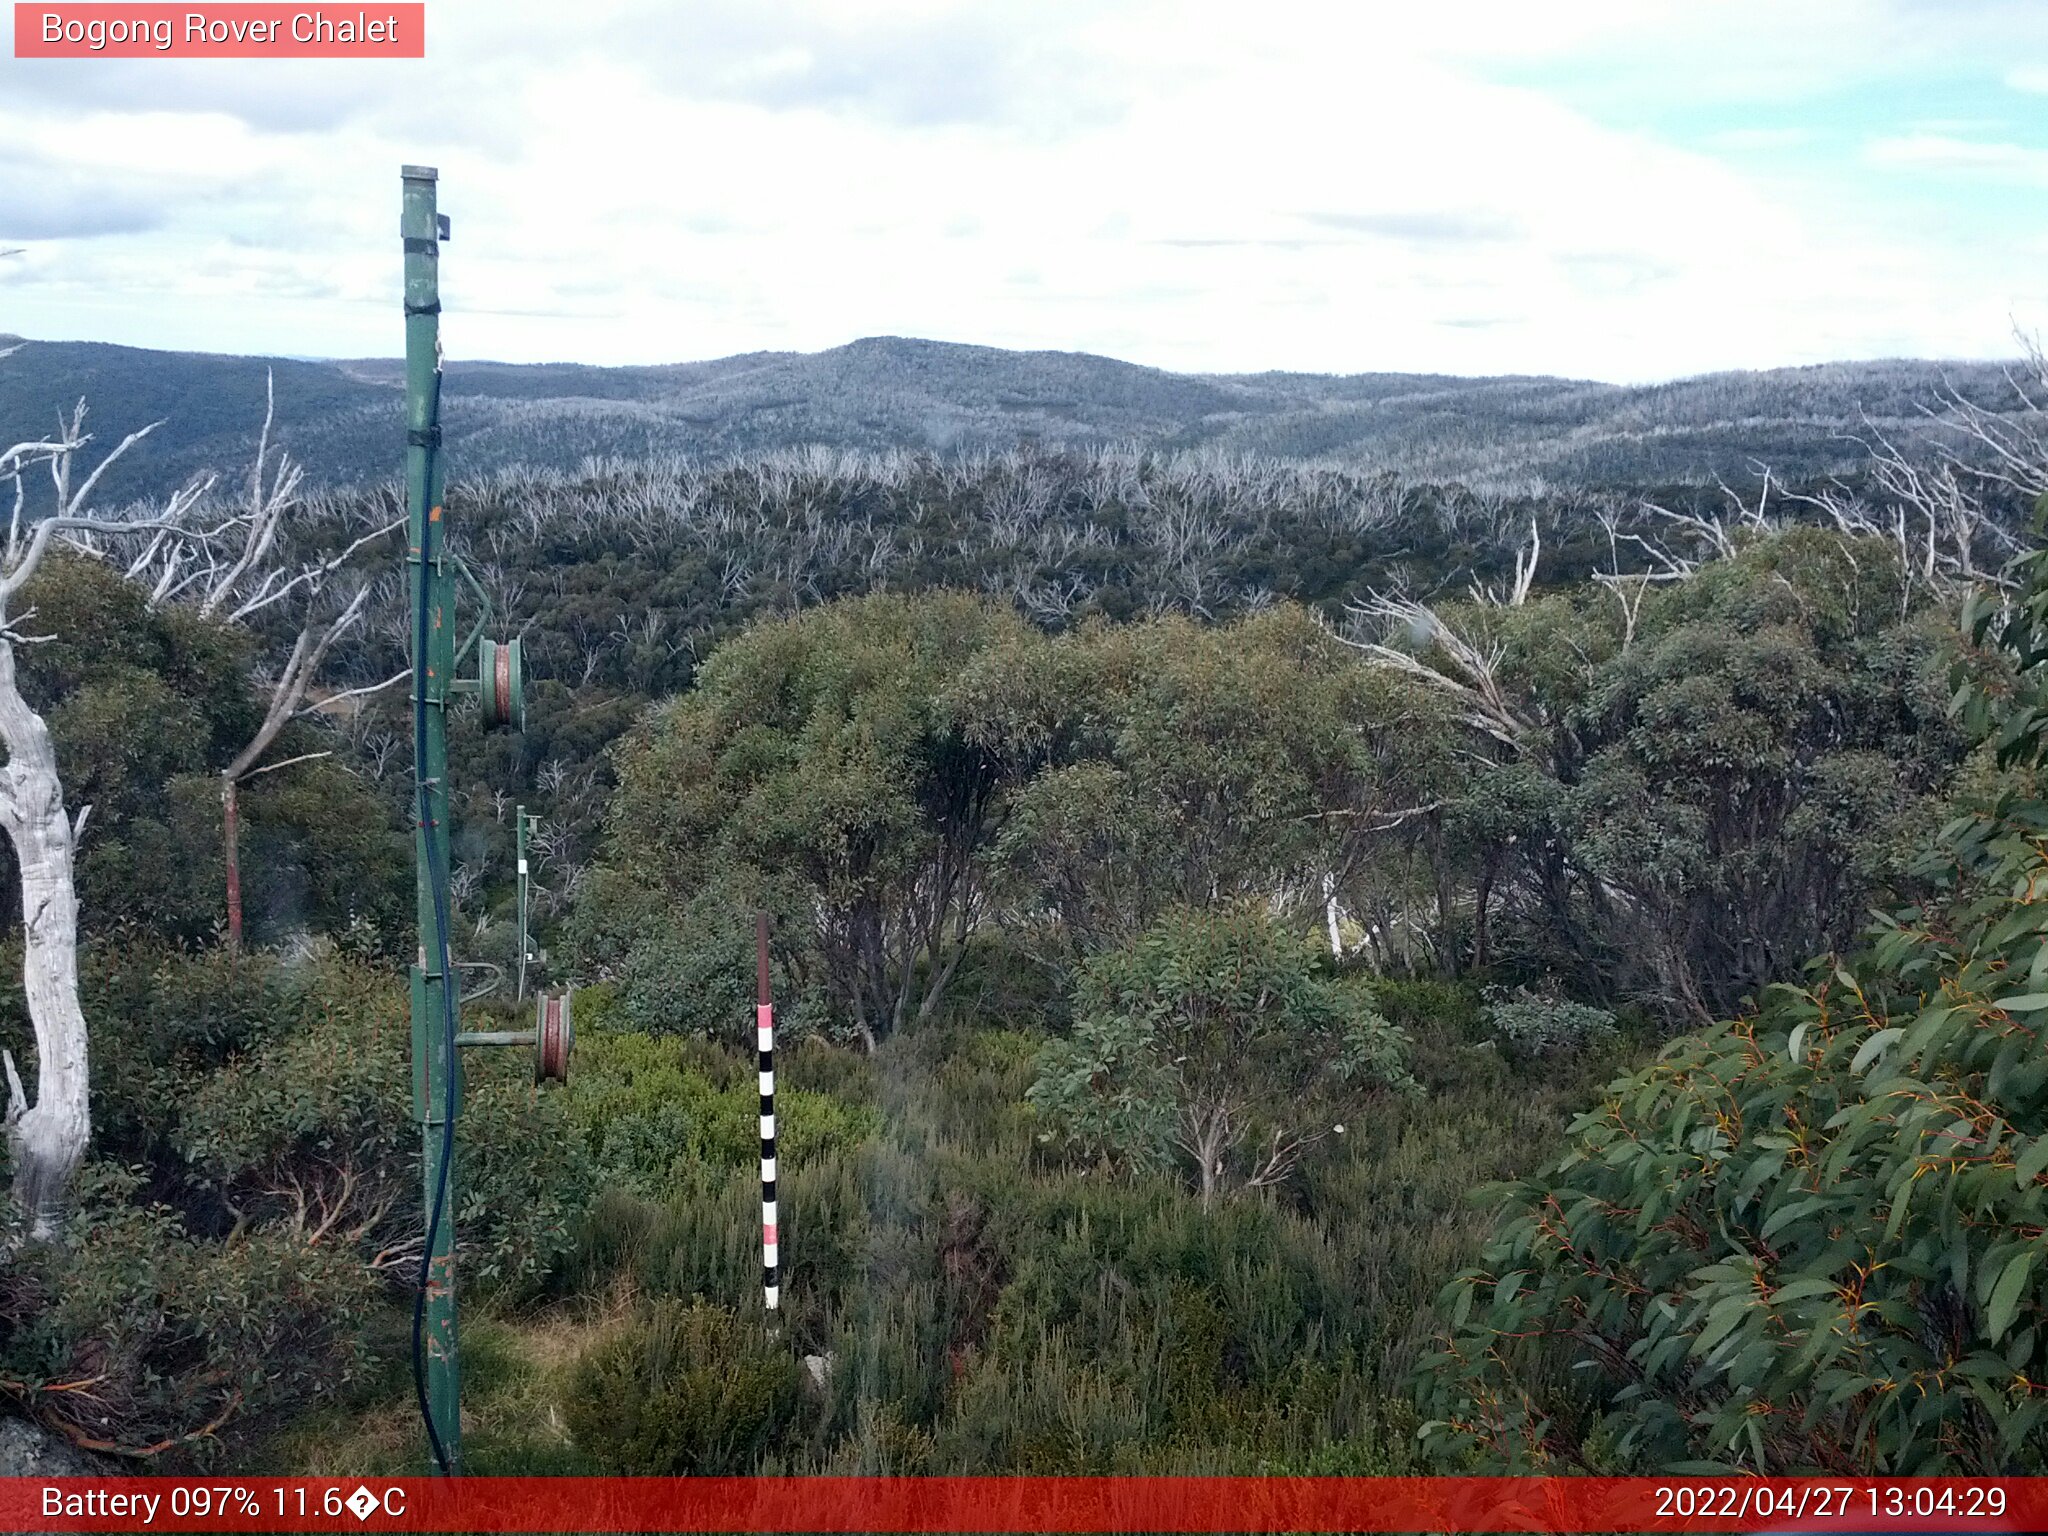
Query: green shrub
pixel 989 1307
pixel 1213 1043
pixel 1057 1413
pixel 309 1130
pixel 527 1179
pixel 146 704
pixel 816 1065
pixel 137 1335
pixel 1428 1006
pixel 692 972
pixel 598 1010
pixel 609 1239
pixel 1802 1242
pixel 158 1017
pixel 1002 981
pixel 652 1107
pixel 842 1220
pixel 1529 1026
pixel 684 1390
pixel 326 1080
pixel 1809 1239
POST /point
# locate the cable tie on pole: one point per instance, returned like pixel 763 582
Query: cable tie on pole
pixel 414 246
pixel 423 309
pixel 428 437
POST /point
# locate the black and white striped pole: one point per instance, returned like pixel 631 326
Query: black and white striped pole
pixel 764 1041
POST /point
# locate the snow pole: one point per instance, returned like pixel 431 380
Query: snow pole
pixel 524 823
pixel 764 1041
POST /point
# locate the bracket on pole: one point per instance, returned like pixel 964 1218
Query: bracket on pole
pixel 552 1037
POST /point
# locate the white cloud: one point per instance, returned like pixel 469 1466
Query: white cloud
pixel 1761 139
pixel 1942 152
pixel 1194 183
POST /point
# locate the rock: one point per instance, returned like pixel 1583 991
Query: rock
pixel 29 1450
pixel 819 1369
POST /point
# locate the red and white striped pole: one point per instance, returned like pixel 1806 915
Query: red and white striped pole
pixel 764 1039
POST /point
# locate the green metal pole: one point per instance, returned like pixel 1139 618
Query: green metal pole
pixel 432 589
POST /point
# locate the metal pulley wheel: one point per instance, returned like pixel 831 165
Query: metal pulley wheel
pixel 501 684
pixel 553 1035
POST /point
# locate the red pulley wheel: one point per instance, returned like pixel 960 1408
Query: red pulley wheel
pixel 501 684
pixel 553 1036
pixel 501 688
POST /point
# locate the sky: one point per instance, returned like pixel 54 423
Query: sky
pixel 1626 190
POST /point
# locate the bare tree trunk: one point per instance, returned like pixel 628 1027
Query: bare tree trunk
pixel 231 828
pixel 1482 898
pixel 48 1139
pixel 1205 1134
pixel 286 695
pixel 1445 901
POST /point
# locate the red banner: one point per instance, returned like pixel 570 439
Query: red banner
pixel 996 1504
pixel 243 31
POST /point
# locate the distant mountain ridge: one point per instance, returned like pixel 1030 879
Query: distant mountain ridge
pixel 342 418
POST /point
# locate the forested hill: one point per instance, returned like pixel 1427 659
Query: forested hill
pixel 342 418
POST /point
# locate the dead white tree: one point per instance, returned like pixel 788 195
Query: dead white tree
pixel 1935 493
pixel 1469 675
pixel 287 702
pixel 1713 534
pixel 1469 672
pixel 1630 587
pixel 48 1136
pixel 1526 557
pixel 243 568
pixel 1629 591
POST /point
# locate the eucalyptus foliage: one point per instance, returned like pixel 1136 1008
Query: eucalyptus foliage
pixel 145 707
pixel 1529 1025
pixel 1212 1043
pixel 1812 1237
pixel 820 771
pixel 1190 765
pixel 891 776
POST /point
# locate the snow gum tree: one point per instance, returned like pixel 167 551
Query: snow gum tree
pixel 47 1136
pixel 1213 1043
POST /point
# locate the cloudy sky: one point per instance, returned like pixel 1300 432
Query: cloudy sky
pixel 1616 189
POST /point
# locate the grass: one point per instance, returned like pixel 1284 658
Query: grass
pixel 515 1366
pixel 991 1303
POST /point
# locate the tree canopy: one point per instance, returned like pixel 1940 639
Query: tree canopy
pixel 1210 1042
pixel 1808 1238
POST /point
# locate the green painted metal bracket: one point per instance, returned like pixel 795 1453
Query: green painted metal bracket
pixel 483 612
